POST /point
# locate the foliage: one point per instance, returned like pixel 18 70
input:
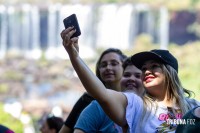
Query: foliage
pixel 12 75
pixel 189 61
pixel 10 122
pixel 3 88
pixel 194 28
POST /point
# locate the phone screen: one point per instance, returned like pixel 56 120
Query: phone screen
pixel 72 21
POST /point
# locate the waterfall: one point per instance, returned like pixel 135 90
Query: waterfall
pixel 83 13
pixel 122 26
pixel 26 31
pixel 164 26
pixel 51 32
pixel 35 49
pixel 105 29
pixel 114 26
pixel 29 30
pixel 3 31
pixel 13 31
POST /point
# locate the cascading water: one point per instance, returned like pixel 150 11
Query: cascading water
pixel 26 31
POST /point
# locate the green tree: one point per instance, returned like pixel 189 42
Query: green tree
pixel 9 121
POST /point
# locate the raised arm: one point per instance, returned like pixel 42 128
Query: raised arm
pixel 113 103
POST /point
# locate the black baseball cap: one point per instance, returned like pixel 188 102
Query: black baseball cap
pixel 163 56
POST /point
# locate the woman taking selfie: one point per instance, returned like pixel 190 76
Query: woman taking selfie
pixel 164 98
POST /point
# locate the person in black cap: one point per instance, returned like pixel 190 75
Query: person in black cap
pixel 161 107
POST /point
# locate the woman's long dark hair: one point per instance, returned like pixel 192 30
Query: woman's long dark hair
pixel 55 123
pixel 109 50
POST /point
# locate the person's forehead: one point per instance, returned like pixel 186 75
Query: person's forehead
pixel 132 68
pixel 110 56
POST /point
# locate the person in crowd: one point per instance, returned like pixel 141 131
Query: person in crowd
pixel 4 129
pixel 109 70
pixel 163 100
pixel 52 124
pixel 93 118
pixel 191 123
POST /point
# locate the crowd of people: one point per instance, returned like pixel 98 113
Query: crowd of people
pixel 137 94
pixel 147 98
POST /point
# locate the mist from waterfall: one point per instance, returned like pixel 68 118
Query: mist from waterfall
pixel 30 30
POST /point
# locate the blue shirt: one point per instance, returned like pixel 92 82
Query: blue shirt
pixel 93 119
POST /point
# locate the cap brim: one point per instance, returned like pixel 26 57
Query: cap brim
pixel 140 58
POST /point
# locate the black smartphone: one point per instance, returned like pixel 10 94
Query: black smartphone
pixel 72 21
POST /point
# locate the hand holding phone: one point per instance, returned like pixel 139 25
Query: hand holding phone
pixel 72 21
